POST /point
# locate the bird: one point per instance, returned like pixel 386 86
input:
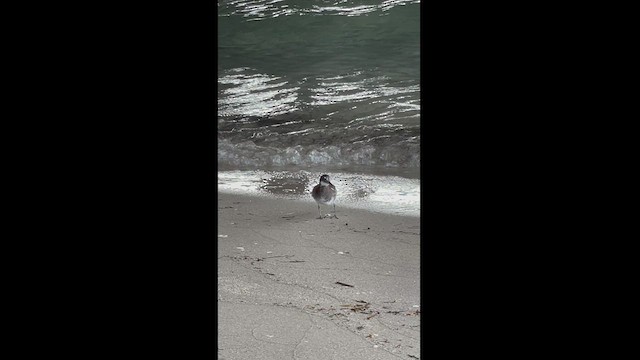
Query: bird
pixel 325 193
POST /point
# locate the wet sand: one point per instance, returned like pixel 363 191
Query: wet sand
pixel 292 286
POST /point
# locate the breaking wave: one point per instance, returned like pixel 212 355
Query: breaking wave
pixel 405 153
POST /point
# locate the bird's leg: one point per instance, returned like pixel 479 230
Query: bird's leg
pixel 319 213
pixel 334 211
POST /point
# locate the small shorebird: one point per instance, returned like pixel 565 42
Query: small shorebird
pixel 325 193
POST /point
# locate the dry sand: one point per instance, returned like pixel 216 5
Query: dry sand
pixel 291 286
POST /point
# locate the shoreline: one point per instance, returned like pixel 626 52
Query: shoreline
pixel 392 195
pixel 322 288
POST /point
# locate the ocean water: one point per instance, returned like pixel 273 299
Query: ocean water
pixel 313 87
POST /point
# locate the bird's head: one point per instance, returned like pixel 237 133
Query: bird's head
pixel 325 179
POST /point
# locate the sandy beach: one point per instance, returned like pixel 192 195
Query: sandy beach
pixel 292 286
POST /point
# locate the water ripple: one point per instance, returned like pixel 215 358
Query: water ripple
pixel 255 10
